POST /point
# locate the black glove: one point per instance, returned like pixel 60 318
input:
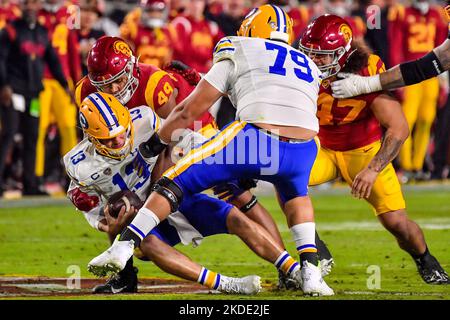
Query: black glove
pixel 152 147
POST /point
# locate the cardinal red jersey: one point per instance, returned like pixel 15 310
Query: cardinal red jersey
pixel 64 40
pixel 347 124
pixel 196 41
pixel 154 90
pixel 8 12
pixel 412 34
pixel 152 46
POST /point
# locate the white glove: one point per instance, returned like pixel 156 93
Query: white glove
pixel 355 85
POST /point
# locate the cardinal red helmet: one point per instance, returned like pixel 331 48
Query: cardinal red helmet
pixel 110 59
pixel 326 37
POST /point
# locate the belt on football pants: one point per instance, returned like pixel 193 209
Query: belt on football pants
pixel 280 138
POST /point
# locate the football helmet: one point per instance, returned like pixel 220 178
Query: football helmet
pixel 328 37
pixel 102 117
pixel 267 22
pixel 110 59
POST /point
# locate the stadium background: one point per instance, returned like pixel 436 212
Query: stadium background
pixel 42 236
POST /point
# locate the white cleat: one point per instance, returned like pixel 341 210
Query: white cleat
pixel 112 260
pixel 312 281
pixel 245 285
pixel 325 266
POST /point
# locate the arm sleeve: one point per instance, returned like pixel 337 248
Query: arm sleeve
pixel 55 65
pixel 220 74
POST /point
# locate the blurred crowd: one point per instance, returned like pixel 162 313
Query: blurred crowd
pixel 37 106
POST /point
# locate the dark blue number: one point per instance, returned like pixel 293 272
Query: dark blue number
pixel 304 73
pixel 136 112
pixel 118 181
pixel 278 67
pixel 78 157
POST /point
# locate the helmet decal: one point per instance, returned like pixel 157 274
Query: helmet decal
pixel 346 31
pixel 121 47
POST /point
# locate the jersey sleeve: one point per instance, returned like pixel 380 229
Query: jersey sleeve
pixel 224 50
pixel 159 89
pixel 83 89
pixel 220 74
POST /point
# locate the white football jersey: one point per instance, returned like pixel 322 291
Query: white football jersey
pixel 272 82
pixel 102 176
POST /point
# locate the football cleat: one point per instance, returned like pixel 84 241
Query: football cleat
pixel 123 282
pixel 246 285
pixel 291 282
pixel 325 266
pixel 312 281
pixel 431 271
pixel 112 260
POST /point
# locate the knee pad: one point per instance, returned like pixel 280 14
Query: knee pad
pixel 169 190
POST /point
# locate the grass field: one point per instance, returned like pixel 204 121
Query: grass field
pixel 45 241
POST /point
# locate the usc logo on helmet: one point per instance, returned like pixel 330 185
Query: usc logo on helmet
pixel 122 47
pixel 346 32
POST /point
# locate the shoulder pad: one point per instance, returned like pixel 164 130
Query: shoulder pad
pixel 223 50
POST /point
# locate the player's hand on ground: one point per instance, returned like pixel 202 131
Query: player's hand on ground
pixel 363 183
pixel 116 225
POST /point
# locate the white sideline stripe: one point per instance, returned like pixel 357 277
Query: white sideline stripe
pixel 394 293
pixel 427 224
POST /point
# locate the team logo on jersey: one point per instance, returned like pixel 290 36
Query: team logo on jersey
pixel 107 171
pixel 122 47
pixel 346 32
pixel 83 121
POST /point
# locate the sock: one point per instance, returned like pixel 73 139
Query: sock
pixel 304 237
pixel 209 278
pixel 140 227
pixel 322 249
pixel 420 257
pixel 286 263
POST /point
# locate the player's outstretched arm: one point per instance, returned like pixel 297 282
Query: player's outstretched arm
pixel 405 74
pixel 390 115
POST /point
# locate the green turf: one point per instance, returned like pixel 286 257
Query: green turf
pixel 46 241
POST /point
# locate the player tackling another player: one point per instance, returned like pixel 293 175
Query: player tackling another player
pixel 107 161
pixel 353 144
pixel 275 89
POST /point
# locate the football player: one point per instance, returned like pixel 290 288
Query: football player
pixel 107 161
pixel 114 69
pixel 274 88
pixel 152 37
pixel 353 144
